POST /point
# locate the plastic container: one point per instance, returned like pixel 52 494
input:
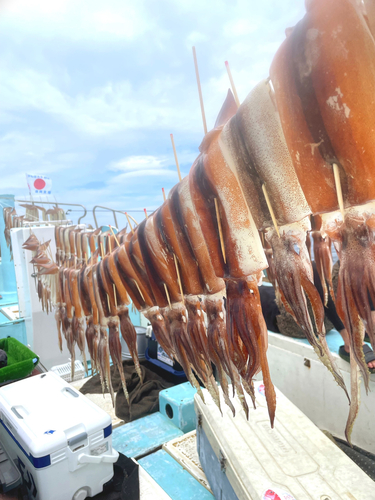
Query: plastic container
pixel 65 372
pixel 246 459
pixel 156 355
pixel 21 360
pixel 61 441
pixel 141 343
pixel 165 366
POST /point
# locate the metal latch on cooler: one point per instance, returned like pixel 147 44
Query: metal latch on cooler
pixel 77 439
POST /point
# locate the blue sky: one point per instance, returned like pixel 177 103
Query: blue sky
pixel 91 90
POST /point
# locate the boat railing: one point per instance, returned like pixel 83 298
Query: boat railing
pixel 110 210
pixel 57 205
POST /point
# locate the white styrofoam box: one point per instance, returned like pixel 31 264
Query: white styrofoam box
pixel 41 329
pixel 61 441
pixel 184 450
pixel 313 390
pixel 64 371
pixel 295 460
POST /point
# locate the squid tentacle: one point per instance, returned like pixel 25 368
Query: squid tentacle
pixel 96 351
pixel 244 316
pixel 160 330
pixel 130 336
pixel 326 356
pixel 70 342
pixel 177 329
pixel 58 318
pixel 240 328
pixel 197 335
pixel 348 313
pixel 219 352
pixel 115 350
pixel 323 260
pixel 90 334
pixel 79 326
pixel 261 334
pixel 105 368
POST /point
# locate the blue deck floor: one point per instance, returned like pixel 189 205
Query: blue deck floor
pixel 177 482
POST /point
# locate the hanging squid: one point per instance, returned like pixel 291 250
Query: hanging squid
pixel 211 178
pixel 325 92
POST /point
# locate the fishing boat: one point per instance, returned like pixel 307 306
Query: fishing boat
pixel 261 415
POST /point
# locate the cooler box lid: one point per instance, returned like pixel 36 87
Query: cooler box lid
pixel 45 414
pixel 293 461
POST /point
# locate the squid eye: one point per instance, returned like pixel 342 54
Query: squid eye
pixel 296 248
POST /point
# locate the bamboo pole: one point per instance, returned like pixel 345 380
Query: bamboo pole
pixel 220 229
pixel 110 227
pixel 110 251
pixel 178 276
pixel 270 209
pixel 132 218
pixel 176 159
pixel 130 224
pixel 336 174
pixel 145 213
pixel 165 198
pixel 139 290
pixel 199 91
pixel 234 90
pixel 167 294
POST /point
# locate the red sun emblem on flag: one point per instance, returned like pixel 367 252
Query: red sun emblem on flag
pixel 39 184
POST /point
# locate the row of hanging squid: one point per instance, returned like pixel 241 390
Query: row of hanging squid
pixel 301 144
pixel 32 214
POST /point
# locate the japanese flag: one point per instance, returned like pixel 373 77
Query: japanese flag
pixel 39 184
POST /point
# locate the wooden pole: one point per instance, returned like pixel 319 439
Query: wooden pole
pixel 178 276
pixel 270 209
pixel 139 290
pixel 110 251
pixel 132 218
pixel 167 294
pixel 110 227
pixel 199 91
pixel 234 90
pixel 114 293
pixel 145 213
pixel 176 159
pixel 220 229
pixel 336 174
pixel 130 224
pixel 165 198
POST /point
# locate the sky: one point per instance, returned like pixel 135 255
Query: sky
pixel 90 91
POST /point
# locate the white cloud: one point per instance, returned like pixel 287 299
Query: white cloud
pixel 138 163
pixel 241 27
pixel 195 37
pixel 83 20
pixel 90 91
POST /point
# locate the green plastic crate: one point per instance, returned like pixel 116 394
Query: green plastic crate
pixel 21 361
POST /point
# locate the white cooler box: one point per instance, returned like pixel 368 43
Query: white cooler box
pixel 247 460
pixel 61 441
